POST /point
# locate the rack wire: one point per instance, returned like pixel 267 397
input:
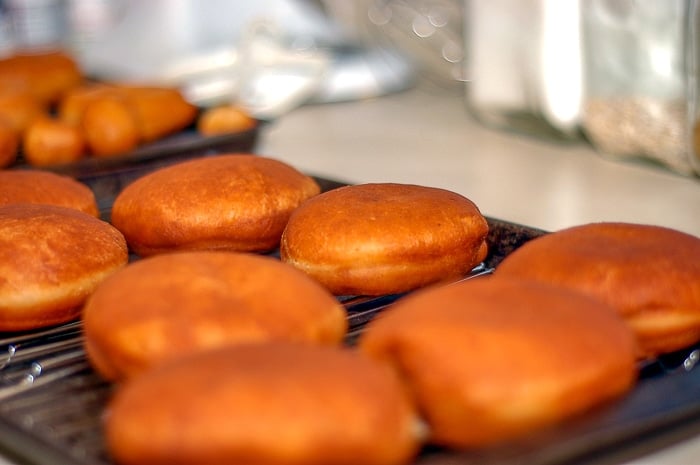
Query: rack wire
pixel 52 402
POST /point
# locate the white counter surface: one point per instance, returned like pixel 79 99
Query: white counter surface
pixel 426 137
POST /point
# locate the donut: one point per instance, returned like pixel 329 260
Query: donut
pixel 45 75
pixel 49 141
pixel 46 187
pixel 109 126
pixel 271 404
pixel 384 238
pixel 224 119
pixel 19 108
pixel 169 305
pixel 236 202
pixel 489 360
pixel 649 274
pixel 51 259
pixel 159 111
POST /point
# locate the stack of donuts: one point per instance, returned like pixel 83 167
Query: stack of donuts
pixel 225 338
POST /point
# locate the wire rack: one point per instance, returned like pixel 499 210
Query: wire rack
pixel 52 402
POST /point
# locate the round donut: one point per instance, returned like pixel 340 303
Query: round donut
pixel 649 274
pixel 45 187
pixel 169 305
pixel 265 404
pixel 236 202
pixel 384 238
pixel 51 259
pixel 489 360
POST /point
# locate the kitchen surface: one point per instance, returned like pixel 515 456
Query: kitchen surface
pixel 425 136
pixel 405 92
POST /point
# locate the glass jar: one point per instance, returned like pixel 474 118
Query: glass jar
pixel 639 64
pixel 523 66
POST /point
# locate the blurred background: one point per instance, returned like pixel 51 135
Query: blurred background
pixel 286 51
pixel 617 74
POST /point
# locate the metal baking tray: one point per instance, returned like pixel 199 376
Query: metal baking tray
pixel 51 401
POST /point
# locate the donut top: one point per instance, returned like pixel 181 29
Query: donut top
pixel 168 305
pixel 236 201
pixel 34 186
pixel 383 221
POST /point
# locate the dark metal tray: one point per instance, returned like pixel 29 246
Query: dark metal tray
pixel 51 401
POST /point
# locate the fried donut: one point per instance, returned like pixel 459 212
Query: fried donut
pixel 489 360
pixel 46 187
pixel 46 76
pixel 159 111
pixel 384 238
pixel 166 306
pixel 9 145
pixel 265 404
pixel 649 274
pixel 51 259
pixel 110 127
pixel 49 141
pixel 237 202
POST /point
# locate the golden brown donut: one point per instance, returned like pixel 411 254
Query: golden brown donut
pixel 649 274
pixel 110 127
pixel 265 404
pixel 166 306
pixel 49 141
pixel 9 145
pixel 224 119
pixel 384 238
pixel 73 103
pixel 235 202
pixel 18 109
pixel 156 111
pixel 51 259
pixel 489 360
pixel 46 187
pixel 159 111
pixel 45 75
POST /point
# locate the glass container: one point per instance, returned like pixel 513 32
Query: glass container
pixel 639 61
pixel 523 65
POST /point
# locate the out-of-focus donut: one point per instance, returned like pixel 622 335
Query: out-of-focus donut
pixel 649 274
pixel 489 360
pixel 170 305
pixel 51 259
pixel 266 404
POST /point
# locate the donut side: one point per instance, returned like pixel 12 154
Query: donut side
pixel 52 258
pixel 167 306
pixel 649 274
pixel 233 202
pixel 36 186
pixel 276 403
pixel 490 360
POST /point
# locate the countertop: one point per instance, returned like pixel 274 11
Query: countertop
pixel 425 136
